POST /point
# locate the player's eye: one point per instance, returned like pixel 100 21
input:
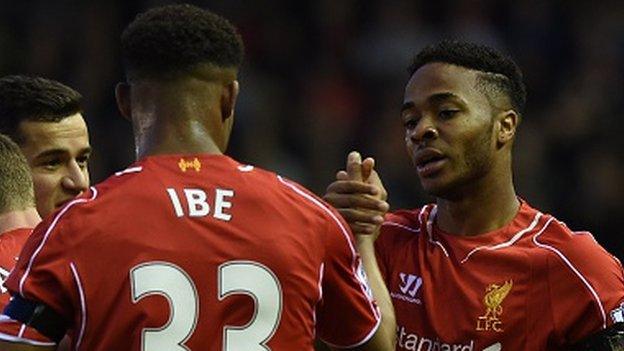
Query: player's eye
pixel 410 124
pixel 52 164
pixel 83 161
pixel 447 113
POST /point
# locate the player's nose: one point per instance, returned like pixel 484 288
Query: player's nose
pixel 76 179
pixel 425 130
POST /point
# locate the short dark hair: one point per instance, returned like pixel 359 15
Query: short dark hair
pixel 175 38
pixel 16 186
pixel 24 98
pixel 500 71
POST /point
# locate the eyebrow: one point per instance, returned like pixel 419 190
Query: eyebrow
pixel 54 152
pixel 437 98
pixel 445 96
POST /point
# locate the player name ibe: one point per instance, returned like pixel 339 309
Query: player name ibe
pixel 201 203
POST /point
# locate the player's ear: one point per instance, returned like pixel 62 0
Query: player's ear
pixel 507 123
pixel 122 95
pixel 228 99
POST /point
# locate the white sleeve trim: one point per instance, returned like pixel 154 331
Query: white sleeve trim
pixel 345 233
pixel 15 339
pixel 83 305
pixel 47 235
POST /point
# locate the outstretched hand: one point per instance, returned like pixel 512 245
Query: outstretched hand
pixel 358 194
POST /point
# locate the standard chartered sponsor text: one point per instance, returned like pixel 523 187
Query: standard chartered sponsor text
pixel 413 342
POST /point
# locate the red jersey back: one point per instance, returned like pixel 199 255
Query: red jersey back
pixel 199 251
pixel 532 285
pixel 11 243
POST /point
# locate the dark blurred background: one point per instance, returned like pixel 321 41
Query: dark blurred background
pixel 323 77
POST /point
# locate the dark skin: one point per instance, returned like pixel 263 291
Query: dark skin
pixel 193 113
pixel 460 140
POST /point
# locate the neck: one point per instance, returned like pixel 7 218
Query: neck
pixel 486 207
pixel 177 119
pixel 186 136
pixel 28 218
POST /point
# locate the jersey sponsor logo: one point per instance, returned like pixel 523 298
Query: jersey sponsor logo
pixel 414 342
pixel 495 294
pixel 618 314
pixel 409 287
pixel 494 347
pixel 193 164
pixel 4 274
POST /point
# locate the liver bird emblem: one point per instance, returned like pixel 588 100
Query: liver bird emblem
pixel 494 298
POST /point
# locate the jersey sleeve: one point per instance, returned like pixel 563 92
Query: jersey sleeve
pixel 347 315
pixel 586 287
pixel 43 275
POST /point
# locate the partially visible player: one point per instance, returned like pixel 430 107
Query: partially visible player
pixel 18 214
pixel 188 249
pixel 479 269
pixel 44 117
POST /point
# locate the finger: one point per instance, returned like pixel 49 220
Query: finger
pixel 354 166
pixel 356 201
pixel 367 167
pixel 352 187
pixel 342 175
pixel 375 181
pixel 362 216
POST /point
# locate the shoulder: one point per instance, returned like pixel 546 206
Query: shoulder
pixel 403 226
pixel 303 200
pixel 577 262
pixel 406 222
pixel 571 246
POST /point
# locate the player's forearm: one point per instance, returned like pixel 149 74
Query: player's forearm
pixel 385 337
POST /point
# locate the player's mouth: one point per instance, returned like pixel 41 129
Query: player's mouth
pixel 429 162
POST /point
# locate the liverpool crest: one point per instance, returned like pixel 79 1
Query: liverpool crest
pixel 494 296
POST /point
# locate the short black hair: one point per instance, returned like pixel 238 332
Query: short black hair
pixel 501 72
pixel 24 98
pixel 175 38
pixel 16 186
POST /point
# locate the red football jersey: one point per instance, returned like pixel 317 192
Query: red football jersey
pixel 11 244
pixel 532 285
pixel 198 252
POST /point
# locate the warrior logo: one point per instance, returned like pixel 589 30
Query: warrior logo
pixel 4 274
pixel 618 314
pixel 494 296
pixel 409 286
pixel 184 165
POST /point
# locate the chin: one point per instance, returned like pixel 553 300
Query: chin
pixel 439 188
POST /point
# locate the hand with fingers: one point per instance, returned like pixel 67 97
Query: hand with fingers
pixel 358 194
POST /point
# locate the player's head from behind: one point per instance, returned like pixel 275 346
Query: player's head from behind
pixel 44 117
pixel 16 187
pixel 461 107
pixel 181 65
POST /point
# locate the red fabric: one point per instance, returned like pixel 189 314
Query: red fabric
pixel 131 221
pixel 547 304
pixel 11 244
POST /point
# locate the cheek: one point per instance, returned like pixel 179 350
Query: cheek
pixel 477 152
pixel 85 173
pixel 44 186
